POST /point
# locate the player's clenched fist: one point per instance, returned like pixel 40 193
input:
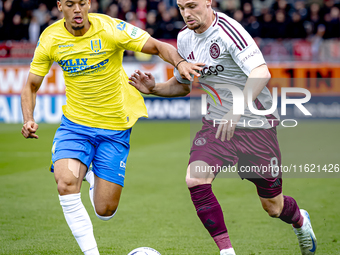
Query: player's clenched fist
pixel 29 128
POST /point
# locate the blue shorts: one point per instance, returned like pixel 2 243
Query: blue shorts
pixel 106 149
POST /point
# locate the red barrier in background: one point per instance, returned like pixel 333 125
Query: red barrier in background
pixel 17 50
pixel 13 77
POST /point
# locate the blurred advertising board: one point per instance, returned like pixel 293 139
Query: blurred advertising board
pixel 321 79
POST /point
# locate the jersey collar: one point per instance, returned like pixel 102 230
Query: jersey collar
pixel 209 30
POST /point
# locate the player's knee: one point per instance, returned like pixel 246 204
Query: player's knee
pixel 66 187
pixel 192 182
pixel 197 177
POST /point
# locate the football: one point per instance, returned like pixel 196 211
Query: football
pixel 144 251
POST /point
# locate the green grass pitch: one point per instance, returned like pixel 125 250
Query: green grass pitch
pixel 155 209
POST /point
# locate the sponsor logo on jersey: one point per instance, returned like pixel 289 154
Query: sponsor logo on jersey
pixel 73 62
pixel 251 54
pixel 96 45
pixel 66 46
pixel 214 50
pixel 79 64
pixel 209 70
pixel 133 31
pixel 121 26
pixel 191 56
pixel 66 52
pixel 97 54
pixel 200 141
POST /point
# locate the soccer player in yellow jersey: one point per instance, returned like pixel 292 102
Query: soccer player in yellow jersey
pixel 100 110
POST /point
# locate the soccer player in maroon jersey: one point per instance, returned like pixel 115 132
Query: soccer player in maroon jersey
pixel 231 57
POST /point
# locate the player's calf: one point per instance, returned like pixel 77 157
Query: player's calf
pixel 106 198
pixel 103 211
pixel 210 213
pixel 291 212
pixel 207 207
pixel 79 222
pixel 273 206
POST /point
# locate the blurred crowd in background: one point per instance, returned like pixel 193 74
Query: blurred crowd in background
pixel 24 20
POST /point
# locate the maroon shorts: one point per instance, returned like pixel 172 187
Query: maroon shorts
pixel 256 151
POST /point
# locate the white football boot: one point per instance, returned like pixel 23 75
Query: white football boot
pixel 229 251
pixel 305 235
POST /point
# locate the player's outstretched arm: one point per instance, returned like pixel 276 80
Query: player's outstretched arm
pixel 257 80
pixel 28 99
pixel 145 83
pixel 168 53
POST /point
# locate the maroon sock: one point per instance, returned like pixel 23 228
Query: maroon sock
pixel 210 213
pixel 223 241
pixel 291 212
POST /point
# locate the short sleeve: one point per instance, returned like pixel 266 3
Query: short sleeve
pixel 245 52
pixel 130 37
pixel 179 77
pixel 41 62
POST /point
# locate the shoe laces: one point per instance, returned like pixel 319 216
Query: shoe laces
pixel 303 237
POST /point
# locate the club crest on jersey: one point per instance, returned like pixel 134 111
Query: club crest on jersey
pixel 200 141
pixel 214 50
pixel 96 45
